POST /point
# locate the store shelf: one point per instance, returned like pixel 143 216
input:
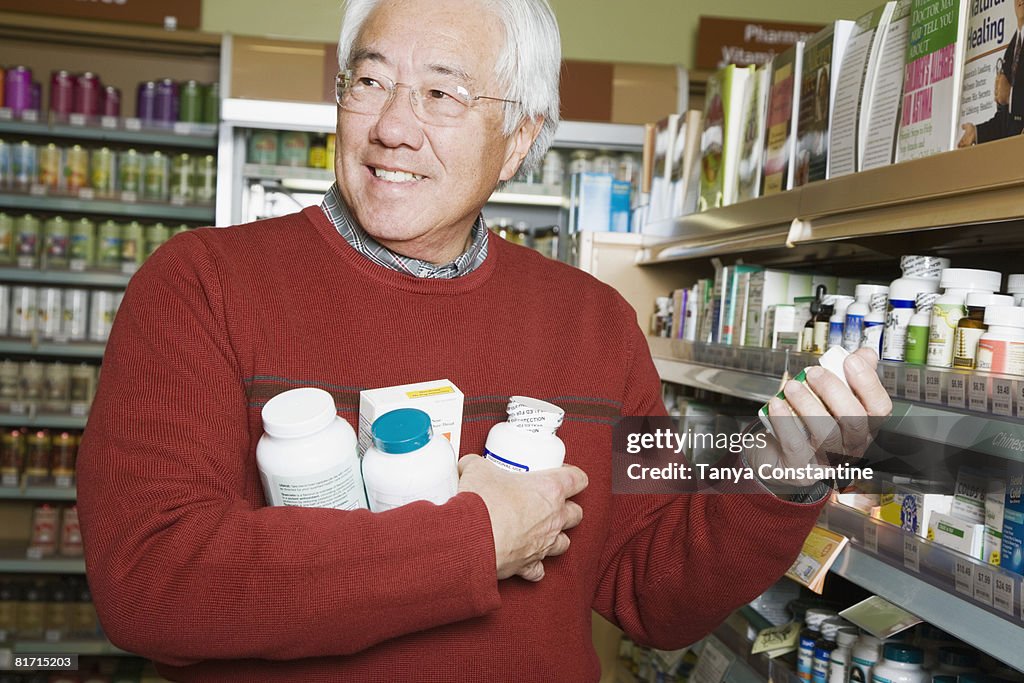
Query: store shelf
pixel 52 349
pixel 921 577
pixel 87 278
pixel 38 493
pixel 92 647
pixel 277 115
pixel 42 420
pixel 13 560
pixel 129 131
pixel 107 207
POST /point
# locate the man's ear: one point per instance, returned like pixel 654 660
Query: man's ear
pixel 519 144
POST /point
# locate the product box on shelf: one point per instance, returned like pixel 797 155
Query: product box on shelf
pixel 1011 555
pixel 912 506
pixel 956 534
pixel 995 504
pixel 767 288
pixel 440 399
pixel 598 203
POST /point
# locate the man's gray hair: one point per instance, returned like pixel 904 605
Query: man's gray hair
pixel 528 65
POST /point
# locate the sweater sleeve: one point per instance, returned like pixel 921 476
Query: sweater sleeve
pixel 675 566
pixel 183 566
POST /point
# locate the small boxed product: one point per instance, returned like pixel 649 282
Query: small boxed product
pixel 913 506
pixel 969 496
pixel 440 399
pixel 1011 555
pixel 956 534
pixel 995 503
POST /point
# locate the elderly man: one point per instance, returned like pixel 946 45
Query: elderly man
pixel 396 280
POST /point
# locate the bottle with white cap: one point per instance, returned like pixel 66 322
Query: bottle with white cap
pixel 838 319
pixel 917 328
pixel 307 456
pixel 527 442
pixel 874 323
pixel 947 310
pixel 1001 348
pixel 920 274
pixel 408 462
pixel 1015 286
pixel 970 327
pixel 853 326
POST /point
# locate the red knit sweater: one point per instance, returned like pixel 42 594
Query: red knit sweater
pixel 189 567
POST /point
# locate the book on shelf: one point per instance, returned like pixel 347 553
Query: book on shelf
pixel 822 56
pixel 932 77
pixel 883 94
pixel 720 140
pixel 686 164
pixel 991 107
pixel 780 126
pixel 856 73
pixel 755 103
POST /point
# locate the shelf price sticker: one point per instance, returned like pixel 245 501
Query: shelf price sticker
pixel 1002 397
pixel 933 386
pixel 964 575
pixel 977 394
pixel 1002 593
pixel 889 380
pixel 109 122
pixel 6 114
pixel 912 553
pixel 1020 399
pixel 30 116
pixel 957 396
pixel 76 119
pixel 983 586
pixel 133 124
pixel 870 536
pixel 912 384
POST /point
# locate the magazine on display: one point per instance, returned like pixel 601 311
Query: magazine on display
pixel 755 102
pixel 720 140
pixel 780 126
pixel 880 111
pixel 991 106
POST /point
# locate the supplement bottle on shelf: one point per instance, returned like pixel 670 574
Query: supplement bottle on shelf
pixel 823 648
pixel 874 323
pixel 917 329
pixel 953 661
pixel 1015 286
pixel 970 327
pixel 839 660
pixel 823 323
pixel 408 462
pixel 836 322
pixel 956 283
pixel 527 441
pixel 900 664
pixel 1001 348
pixel 853 325
pixel 809 635
pixel 307 456
pixel 920 274
pixel 863 657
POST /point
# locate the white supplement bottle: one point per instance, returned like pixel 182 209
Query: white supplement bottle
pixel 853 326
pixel 838 319
pixel 527 441
pixel 1001 348
pixel 917 329
pixel 920 274
pixel 839 661
pixel 1015 286
pixel 863 658
pixel 307 456
pixel 874 323
pixel 956 283
pixel 972 326
pixel 408 462
pixel 900 664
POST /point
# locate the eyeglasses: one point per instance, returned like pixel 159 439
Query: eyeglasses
pixel 440 102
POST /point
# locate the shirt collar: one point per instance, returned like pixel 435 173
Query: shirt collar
pixel 334 208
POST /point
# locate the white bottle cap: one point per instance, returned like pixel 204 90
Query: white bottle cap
pixel 864 292
pixel 984 300
pixel 1015 283
pixel 970 278
pixel 534 415
pixel 298 412
pixel 1004 316
pixel 842 302
pixel 924 301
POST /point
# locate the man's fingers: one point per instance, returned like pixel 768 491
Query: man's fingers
pixel 533 572
pixel 570 478
pixel 560 545
pixel 467 460
pixel 863 379
pixel 572 515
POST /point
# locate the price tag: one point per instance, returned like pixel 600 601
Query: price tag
pixel 977 394
pixel 9 480
pixel 983 585
pixel 178 201
pixel 6 114
pixel 109 122
pixel 130 197
pixel 19 408
pixel 63 481
pixel 889 380
pixel 1002 397
pixel 37 190
pixel 129 268
pixel 1002 593
pixel 870 536
pixel 182 128
pixel 911 553
pixel 30 116
pixel 76 119
pixel 133 124
pixel 1020 399
pixel 79 409
pixel 964 574
pixel 77 265
pixel 87 193
pixel 957 396
pixel 28 262
pixel 912 384
pixel 933 386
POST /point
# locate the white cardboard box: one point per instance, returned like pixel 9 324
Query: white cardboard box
pixel 440 399
pixel 956 534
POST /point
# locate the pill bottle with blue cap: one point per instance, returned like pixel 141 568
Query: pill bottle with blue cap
pixel 407 462
pixel 900 664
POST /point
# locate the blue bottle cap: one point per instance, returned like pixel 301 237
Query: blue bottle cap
pixel 401 431
pixel 907 654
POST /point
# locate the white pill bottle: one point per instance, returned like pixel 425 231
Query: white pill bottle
pixel 527 441
pixel 408 462
pixel 307 456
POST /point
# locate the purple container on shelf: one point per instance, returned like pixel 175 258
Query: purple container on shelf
pixel 62 93
pixel 37 96
pixel 111 101
pixel 166 101
pixel 88 93
pixel 18 89
pixel 145 106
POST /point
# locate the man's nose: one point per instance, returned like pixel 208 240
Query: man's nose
pixel 398 124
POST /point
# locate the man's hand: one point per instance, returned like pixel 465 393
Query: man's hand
pixel 970 135
pixel 529 512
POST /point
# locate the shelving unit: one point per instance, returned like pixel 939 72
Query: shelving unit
pixel 86 278
pixel 38 493
pixel 106 207
pixel 128 131
pixel 13 560
pixel 52 349
pixel 92 647
pixel 42 421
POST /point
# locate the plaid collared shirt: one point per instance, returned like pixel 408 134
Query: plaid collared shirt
pixel 467 262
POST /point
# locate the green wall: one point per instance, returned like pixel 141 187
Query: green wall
pixel 652 31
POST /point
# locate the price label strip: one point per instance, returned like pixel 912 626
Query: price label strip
pixel 889 379
pixel 933 387
pixel 983 586
pixel 964 574
pixel 1002 593
pixel 912 384
pixel 912 553
pixel 870 536
pixel 1020 399
pixel 978 394
pixel 957 396
pixel 1002 397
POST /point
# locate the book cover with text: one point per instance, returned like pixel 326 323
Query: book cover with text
pixel 880 113
pixel 991 106
pixel 780 126
pixel 720 140
pixel 755 103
